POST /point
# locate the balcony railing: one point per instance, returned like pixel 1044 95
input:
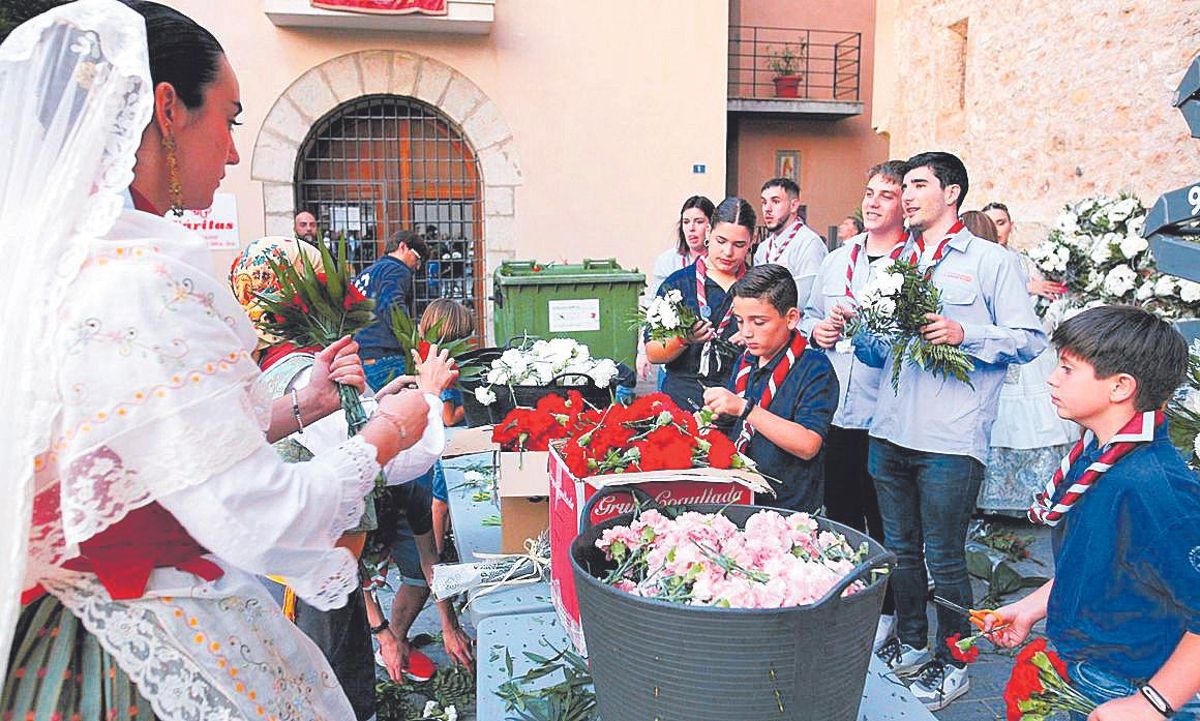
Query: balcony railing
pixel 827 64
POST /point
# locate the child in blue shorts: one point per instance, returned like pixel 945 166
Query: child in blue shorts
pixel 1123 610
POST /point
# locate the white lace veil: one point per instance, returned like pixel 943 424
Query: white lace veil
pixel 75 96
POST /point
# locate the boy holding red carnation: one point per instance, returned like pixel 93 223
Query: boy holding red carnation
pixel 1123 610
pixel 782 393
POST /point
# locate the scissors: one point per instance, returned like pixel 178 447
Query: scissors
pixel 978 617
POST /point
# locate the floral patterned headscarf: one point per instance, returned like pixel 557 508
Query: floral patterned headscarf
pixel 251 274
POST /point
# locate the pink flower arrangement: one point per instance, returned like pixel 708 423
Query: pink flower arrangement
pixel 700 559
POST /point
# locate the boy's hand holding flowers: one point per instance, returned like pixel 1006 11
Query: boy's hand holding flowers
pixel 724 402
pixel 942 331
pixel 828 331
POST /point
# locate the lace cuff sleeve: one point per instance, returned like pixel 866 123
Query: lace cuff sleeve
pixel 353 464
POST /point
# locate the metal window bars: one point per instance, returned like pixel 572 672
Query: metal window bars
pixel 381 164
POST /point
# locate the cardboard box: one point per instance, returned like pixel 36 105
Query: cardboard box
pixel 568 495
pixel 524 490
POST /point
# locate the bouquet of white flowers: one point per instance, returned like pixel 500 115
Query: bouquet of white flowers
pixel 666 317
pixel 893 307
pixel 1183 411
pixel 1097 250
pixel 539 363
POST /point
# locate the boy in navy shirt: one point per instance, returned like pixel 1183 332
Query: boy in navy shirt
pixel 782 393
pixel 1124 607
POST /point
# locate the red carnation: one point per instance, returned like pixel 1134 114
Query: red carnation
pixel 666 449
pixel 298 302
pixel 423 347
pixel 721 451
pixel 968 655
pixel 576 459
pixel 353 297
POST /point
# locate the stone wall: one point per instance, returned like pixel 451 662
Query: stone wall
pixel 1046 102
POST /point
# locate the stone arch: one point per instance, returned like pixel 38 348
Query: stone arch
pixel 329 85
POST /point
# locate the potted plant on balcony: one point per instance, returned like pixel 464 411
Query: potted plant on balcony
pixel 786 66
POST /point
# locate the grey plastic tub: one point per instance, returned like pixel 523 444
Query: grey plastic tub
pixel 658 661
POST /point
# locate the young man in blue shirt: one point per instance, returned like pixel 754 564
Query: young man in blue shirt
pixel 1123 609
pixel 929 439
pixel 782 393
pixel 389 282
pixel 844 275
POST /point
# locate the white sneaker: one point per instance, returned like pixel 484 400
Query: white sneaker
pixel 902 659
pixel 938 684
pixel 883 631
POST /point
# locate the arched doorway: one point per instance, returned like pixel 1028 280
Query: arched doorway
pixel 383 163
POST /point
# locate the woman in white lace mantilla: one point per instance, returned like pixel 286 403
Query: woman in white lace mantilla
pixel 141 489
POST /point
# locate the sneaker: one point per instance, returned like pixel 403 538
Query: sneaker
pixel 902 659
pixel 938 684
pixel 420 667
pixel 883 631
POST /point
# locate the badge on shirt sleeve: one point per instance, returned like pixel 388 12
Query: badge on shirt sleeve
pixel 705 312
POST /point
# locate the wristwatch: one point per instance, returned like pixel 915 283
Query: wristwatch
pixel 746 411
pixel 383 626
pixel 1156 700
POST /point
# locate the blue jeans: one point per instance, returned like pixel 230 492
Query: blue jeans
pixel 383 370
pixel 1101 686
pixel 926 500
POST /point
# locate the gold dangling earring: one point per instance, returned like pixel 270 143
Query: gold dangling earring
pixel 174 186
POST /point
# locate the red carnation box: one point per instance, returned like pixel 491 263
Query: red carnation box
pixel 568 494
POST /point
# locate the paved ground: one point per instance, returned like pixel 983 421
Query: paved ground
pixel 989 674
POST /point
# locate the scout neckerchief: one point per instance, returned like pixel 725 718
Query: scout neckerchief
pixel 741 382
pixel 938 253
pixel 773 257
pixel 1140 429
pixel 706 312
pixel 893 254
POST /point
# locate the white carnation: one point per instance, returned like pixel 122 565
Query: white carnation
pixel 604 372
pixel 1165 287
pixel 1189 291
pixel 1135 224
pixel 1120 280
pixel 668 318
pixel 1196 446
pixel 1145 291
pixel 485 396
pixel 497 376
pixel 674 296
pixel 886 307
pixel 1067 222
pixel 1101 252
pixel 1132 245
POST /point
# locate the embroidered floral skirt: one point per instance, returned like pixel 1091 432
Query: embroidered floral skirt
pixel 57 671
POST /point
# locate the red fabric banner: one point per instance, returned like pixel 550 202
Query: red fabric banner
pixel 384 7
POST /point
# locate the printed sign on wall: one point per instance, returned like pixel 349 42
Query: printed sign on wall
pixel 218 225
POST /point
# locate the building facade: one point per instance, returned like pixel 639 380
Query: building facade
pixel 1047 103
pixel 824 133
pixel 530 129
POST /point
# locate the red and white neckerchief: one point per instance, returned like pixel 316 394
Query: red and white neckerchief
pixel 1140 429
pixel 741 382
pixel 702 296
pixel 893 254
pixel 938 253
pixel 775 252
